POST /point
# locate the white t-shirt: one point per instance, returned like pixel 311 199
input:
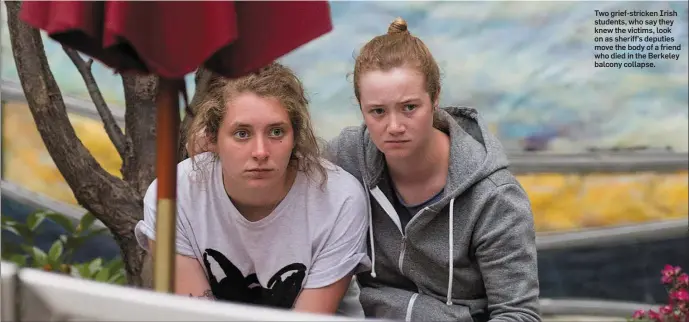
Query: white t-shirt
pixel 312 239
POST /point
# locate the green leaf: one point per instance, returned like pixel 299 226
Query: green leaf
pixel 62 220
pixel 96 232
pixel 103 275
pixel 12 230
pixel 75 271
pixel 35 219
pixel 95 265
pixel 115 265
pixel 7 221
pixel 20 230
pixel 55 251
pixel 114 277
pixel 86 221
pixel 38 256
pixel 18 259
pixel 121 280
pixel 84 270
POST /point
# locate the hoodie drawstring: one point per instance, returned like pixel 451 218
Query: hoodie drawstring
pixel 450 274
pixel 451 243
pixel 370 231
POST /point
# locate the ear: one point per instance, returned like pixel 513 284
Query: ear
pixel 212 147
pixel 436 102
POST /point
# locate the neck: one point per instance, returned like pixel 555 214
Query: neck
pixel 427 164
pixel 256 204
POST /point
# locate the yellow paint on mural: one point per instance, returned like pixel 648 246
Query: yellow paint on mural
pixel 27 162
pixel 560 202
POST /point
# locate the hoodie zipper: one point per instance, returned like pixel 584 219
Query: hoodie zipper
pixel 403 246
pixel 400 261
pixel 389 209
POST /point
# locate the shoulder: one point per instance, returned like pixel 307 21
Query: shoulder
pixel 343 149
pixel 500 178
pixel 340 190
pixel 342 181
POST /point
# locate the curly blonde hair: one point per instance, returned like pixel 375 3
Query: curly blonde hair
pixel 276 81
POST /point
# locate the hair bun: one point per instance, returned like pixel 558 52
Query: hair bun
pixel 398 26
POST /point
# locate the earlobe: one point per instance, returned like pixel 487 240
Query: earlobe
pixel 436 102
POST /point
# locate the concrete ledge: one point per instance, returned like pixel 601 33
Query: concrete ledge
pixel 36 200
pixel 591 308
pixel 598 162
pixel 11 91
pixel 614 235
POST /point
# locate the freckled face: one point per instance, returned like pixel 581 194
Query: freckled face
pixel 397 110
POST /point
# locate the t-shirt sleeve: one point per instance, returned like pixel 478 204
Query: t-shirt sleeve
pixel 344 251
pixel 145 229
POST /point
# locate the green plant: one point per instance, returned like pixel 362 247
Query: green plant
pixel 60 256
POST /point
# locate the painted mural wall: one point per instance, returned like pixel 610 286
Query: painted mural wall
pixel 527 67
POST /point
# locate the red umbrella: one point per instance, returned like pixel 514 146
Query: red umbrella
pixel 172 39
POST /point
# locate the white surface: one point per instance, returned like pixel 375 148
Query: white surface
pixel 68 297
pixel 7 287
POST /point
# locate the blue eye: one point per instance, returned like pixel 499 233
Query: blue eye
pixel 241 134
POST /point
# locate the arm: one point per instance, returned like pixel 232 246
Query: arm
pixel 190 278
pixel 391 303
pixel 323 300
pixel 506 253
pixel 343 254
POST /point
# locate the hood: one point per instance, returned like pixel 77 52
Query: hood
pixel 475 153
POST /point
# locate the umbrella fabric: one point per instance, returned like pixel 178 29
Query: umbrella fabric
pixel 172 39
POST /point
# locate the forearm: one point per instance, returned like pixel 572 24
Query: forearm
pixel 397 304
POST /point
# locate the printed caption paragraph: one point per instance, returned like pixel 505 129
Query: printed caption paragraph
pixel 634 38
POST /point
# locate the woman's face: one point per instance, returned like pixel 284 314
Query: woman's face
pixel 255 141
pixel 397 110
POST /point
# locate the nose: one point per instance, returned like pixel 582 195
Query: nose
pixel 260 152
pixel 395 126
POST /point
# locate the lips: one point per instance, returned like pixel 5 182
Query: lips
pixel 259 170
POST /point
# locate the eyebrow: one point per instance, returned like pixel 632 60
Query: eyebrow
pixel 410 100
pixel 241 124
pixel 406 101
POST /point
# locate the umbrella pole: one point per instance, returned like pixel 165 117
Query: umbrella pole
pixel 167 110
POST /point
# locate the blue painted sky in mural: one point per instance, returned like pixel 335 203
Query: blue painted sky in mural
pixel 527 66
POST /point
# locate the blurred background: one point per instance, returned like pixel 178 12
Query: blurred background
pixel 528 68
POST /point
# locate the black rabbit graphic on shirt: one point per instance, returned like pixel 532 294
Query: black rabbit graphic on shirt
pixel 235 287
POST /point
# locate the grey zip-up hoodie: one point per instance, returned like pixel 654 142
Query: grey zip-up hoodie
pixel 470 256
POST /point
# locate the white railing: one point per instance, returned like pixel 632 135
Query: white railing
pixel 44 296
pixel 35 295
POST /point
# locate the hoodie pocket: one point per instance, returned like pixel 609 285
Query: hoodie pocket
pixel 426 308
pixel 385 302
